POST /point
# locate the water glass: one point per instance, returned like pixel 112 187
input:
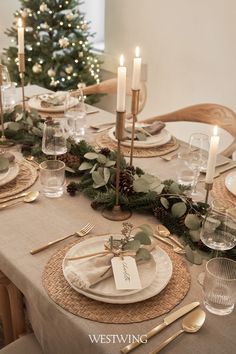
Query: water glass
pixel 75 113
pixel 219 286
pixel 9 96
pixel 54 138
pixel 52 178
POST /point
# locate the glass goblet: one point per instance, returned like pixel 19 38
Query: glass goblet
pixel 75 113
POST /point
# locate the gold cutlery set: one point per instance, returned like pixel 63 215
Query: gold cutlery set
pixel 163 235
pixel 190 324
pixel 26 197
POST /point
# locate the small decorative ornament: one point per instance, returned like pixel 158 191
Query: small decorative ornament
pixel 44 25
pixel 69 69
pixel 70 16
pixel 84 26
pixel 81 54
pixel 25 13
pixel 53 82
pixel 37 68
pixel 43 7
pixel 51 72
pixel 64 42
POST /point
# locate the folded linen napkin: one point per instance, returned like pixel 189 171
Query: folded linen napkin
pixel 87 272
pixel 155 128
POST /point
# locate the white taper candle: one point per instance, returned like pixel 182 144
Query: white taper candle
pixel 121 86
pixel 211 164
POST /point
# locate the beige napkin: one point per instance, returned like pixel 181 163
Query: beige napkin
pixel 155 128
pixel 85 273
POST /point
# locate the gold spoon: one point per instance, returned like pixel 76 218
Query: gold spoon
pixel 24 194
pixel 165 233
pixel 190 324
pixel 29 198
pixel 176 249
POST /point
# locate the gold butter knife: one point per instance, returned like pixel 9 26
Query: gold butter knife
pixel 166 322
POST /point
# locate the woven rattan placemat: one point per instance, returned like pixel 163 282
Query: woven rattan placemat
pixel 25 179
pixel 103 140
pixel 62 294
pixel 219 191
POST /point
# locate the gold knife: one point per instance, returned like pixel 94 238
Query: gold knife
pixel 166 322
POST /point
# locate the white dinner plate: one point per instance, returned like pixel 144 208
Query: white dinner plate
pixel 230 182
pixel 147 270
pixel 163 137
pixel 10 174
pixel 161 279
pixel 35 103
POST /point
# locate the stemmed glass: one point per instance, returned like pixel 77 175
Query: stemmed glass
pixel 75 113
pixel 54 139
pixel 218 230
pixel 195 157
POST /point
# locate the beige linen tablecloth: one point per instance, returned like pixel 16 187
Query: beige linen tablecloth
pixel 30 225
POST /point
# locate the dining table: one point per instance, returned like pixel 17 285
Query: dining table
pixel 29 225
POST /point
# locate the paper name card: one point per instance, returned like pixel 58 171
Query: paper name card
pixel 125 272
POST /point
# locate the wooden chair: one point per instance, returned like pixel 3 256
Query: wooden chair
pixel 11 310
pixel 110 87
pixel 23 345
pixel 208 113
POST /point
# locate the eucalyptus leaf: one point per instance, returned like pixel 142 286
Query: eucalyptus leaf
pixel 143 254
pixel 85 166
pixel 174 188
pixel 146 228
pixel 192 222
pixel 193 256
pixel 98 179
pixel 106 174
pixel 29 121
pixel 195 235
pixel 110 163
pixel 68 169
pixel 132 245
pixel 91 155
pixel 19 116
pixel 143 238
pixel 4 164
pixel 140 185
pixel 14 126
pixel 178 209
pixel 141 136
pixel 157 188
pixel 37 131
pixel 101 159
pixel 94 168
pixel 164 202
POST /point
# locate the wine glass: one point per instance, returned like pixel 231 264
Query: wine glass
pixel 75 113
pixel 54 139
pixel 195 157
pixel 218 230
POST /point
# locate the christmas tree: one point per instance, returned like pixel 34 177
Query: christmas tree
pixel 57 45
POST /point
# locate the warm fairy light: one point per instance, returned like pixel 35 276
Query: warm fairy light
pixel 137 52
pixel 215 130
pixel 122 60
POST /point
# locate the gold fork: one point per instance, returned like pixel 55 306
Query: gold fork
pixel 82 232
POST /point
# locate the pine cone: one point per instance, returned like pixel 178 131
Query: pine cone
pixel 160 213
pixel 131 169
pixel 126 182
pixel 72 189
pixel 70 160
pixel 95 205
pixel 105 151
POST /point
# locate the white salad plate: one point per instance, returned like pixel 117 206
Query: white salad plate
pixel 157 273
pixel 230 182
pixel 35 103
pixel 10 174
pixel 163 137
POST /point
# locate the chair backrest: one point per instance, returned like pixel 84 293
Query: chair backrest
pixel 110 87
pixel 208 113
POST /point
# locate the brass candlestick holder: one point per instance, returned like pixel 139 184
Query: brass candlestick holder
pixel 4 142
pixel 117 214
pixel 208 188
pixel 21 58
pixel 134 111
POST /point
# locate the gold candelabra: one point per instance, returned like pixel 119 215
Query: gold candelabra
pixel 117 214
pixel 21 57
pixel 208 188
pixel 134 112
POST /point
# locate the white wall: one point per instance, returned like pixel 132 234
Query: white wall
pixel 188 46
pixel 7 8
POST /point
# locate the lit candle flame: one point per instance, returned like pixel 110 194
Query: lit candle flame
pixel 215 130
pixel 122 60
pixel 20 23
pixel 137 52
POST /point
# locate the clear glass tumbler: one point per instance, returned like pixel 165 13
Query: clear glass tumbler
pixel 52 178
pixel 219 286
